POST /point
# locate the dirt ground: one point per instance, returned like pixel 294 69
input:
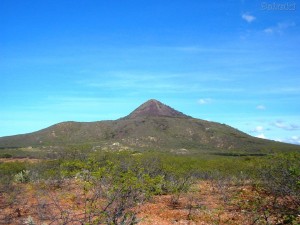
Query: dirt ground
pixel 206 203
pixel 29 160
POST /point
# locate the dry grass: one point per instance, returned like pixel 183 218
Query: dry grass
pixel 29 160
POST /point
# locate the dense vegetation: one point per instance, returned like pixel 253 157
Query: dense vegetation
pixel 110 185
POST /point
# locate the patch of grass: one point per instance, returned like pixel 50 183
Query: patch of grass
pixel 22 153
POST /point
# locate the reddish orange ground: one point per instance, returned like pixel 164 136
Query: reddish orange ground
pixel 206 203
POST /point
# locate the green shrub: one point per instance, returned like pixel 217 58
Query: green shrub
pixel 282 176
pixel 6 155
pixel 7 172
pixel 111 192
pixel 22 177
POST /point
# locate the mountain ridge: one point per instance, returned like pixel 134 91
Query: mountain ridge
pixel 153 125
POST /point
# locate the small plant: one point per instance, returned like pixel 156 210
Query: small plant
pixel 22 177
pixel 29 221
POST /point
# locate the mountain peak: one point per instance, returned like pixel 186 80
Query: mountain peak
pixel 154 107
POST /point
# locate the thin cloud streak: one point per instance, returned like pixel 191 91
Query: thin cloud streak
pixel 159 82
pixel 286 126
pixel 204 101
pixel 261 107
pixel 279 28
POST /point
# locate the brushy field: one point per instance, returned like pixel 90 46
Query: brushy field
pixel 80 186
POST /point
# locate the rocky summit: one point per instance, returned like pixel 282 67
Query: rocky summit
pixel 155 108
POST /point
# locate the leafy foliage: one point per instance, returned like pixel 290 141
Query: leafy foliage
pixel 22 177
pixel 7 172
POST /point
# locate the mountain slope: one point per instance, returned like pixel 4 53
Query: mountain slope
pixel 153 125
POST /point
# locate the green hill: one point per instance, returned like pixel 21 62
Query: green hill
pixel 153 125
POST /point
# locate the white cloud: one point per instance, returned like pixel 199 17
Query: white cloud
pixel 259 129
pixel 269 30
pixel 261 136
pixel 296 138
pixel 293 140
pixel 279 28
pixel 204 101
pixel 249 18
pixel 261 107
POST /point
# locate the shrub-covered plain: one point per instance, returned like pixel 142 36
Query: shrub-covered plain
pixel 80 186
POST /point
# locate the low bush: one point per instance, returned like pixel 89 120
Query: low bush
pixel 7 173
pixel 6 155
pixel 22 177
pixel 281 176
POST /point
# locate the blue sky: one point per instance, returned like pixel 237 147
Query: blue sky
pixel 233 62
